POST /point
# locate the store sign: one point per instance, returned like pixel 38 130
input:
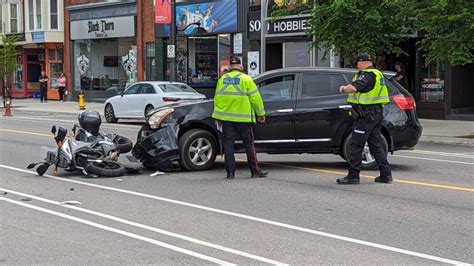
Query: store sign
pixel 238 40
pixel 103 28
pixel 287 26
pixel 210 17
pixel 162 12
pixel 37 36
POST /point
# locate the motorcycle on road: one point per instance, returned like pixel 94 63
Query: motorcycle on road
pixel 93 159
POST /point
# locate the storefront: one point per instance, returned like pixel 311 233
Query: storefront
pixel 108 46
pixel 104 54
pixel 208 33
pixel 287 44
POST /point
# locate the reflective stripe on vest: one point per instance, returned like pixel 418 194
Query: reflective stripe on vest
pixel 378 95
pixel 233 115
pixel 231 82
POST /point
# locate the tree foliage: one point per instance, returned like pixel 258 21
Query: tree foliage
pixel 448 29
pixel 8 58
pixel 375 26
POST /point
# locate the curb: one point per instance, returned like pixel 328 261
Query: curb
pixel 447 140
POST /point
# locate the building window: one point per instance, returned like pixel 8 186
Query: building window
pixel 31 15
pixel 54 14
pixel 13 18
pixel 1 19
pixel 38 14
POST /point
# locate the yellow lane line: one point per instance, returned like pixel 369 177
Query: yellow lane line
pixel 402 181
pixel 25 132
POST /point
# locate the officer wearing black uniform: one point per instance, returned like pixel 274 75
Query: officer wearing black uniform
pixel 367 95
pixel 237 106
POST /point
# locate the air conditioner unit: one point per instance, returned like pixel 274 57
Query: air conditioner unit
pixel 40 57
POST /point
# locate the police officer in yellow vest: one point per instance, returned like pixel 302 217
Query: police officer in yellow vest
pixel 237 106
pixel 367 95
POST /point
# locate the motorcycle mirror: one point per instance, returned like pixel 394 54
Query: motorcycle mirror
pixel 31 166
pixel 74 129
pixel 53 130
pixel 42 169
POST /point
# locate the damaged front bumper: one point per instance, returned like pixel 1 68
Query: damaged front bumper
pixel 157 148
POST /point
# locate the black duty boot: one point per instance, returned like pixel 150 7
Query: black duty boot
pixel 230 175
pixel 348 181
pixel 385 179
pixel 260 174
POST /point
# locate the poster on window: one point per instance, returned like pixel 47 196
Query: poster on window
pixel 210 17
pixel 253 60
pixel 162 12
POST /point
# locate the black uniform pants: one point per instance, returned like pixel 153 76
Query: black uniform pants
pixel 368 129
pixel 43 93
pixel 232 132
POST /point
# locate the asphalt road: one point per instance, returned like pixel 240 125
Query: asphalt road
pixel 298 215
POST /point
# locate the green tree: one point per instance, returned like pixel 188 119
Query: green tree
pixel 447 27
pixel 8 63
pixel 354 26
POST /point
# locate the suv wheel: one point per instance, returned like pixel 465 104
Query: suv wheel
pixel 198 150
pixel 368 160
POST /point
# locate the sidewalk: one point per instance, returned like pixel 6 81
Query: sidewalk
pixel 435 131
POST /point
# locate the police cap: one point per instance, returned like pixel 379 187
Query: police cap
pixel 235 60
pixel 363 57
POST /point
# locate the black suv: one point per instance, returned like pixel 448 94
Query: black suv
pixel 305 114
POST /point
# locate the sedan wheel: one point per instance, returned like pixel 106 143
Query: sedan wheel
pixel 109 114
pixel 368 160
pixel 198 150
pixel 148 109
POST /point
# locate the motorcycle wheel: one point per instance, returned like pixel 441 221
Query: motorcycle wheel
pixel 105 168
pixel 124 144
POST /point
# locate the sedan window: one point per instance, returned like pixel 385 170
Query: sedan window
pixel 176 88
pixel 147 89
pixel 132 90
pixel 321 84
pixel 277 88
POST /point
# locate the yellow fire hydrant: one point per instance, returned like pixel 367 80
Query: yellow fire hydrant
pixel 81 101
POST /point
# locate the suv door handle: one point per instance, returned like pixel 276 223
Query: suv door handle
pixel 284 110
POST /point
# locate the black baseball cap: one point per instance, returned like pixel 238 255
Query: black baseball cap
pixel 235 60
pixel 363 57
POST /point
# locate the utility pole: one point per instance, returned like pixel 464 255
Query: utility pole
pixel 263 34
pixel 173 42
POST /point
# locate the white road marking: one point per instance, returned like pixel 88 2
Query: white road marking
pixel 446 154
pixel 146 227
pixel 431 159
pixel 121 232
pixel 256 219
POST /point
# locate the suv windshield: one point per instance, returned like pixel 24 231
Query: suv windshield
pixel 176 88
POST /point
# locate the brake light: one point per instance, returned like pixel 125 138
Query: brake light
pixel 404 102
pixel 171 99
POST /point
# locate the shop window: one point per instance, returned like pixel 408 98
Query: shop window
pixel 317 84
pixel 297 54
pixel 277 88
pixel 203 70
pixel 18 77
pixel 432 82
pixel 150 66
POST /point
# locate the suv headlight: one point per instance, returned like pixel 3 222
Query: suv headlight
pixel 157 118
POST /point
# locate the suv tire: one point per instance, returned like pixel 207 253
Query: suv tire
pixel 197 150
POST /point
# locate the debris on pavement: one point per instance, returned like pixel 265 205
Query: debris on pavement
pixel 70 202
pixel 157 173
